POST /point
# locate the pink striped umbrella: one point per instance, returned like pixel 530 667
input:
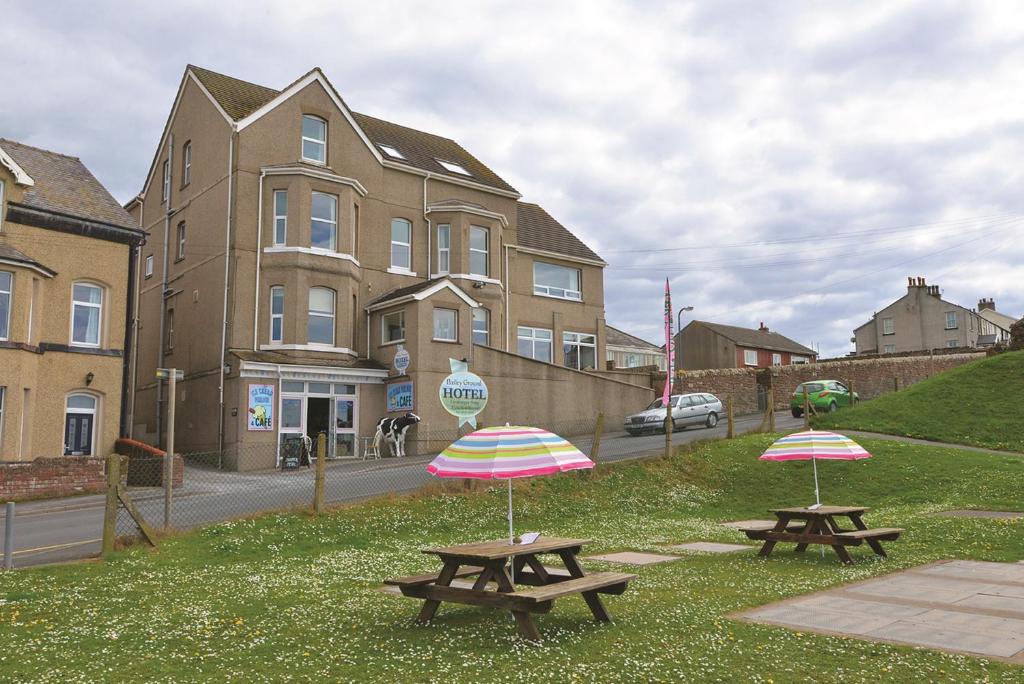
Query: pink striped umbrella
pixel 813 445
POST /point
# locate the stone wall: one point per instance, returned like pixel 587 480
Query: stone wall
pixel 46 478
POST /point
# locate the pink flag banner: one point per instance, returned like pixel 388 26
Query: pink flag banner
pixel 669 349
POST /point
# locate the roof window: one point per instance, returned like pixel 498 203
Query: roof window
pixel 452 166
pixel 391 151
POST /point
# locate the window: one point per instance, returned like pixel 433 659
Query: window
pixel 323 229
pixel 169 346
pixel 749 357
pixel 277 314
pixel 321 316
pixel 391 151
pixel 534 343
pixel 952 344
pixel 280 217
pixel 186 164
pixel 951 323
pixel 149 266
pixel 797 360
pixel 444 248
pixel 6 283
pixel 392 327
pixel 556 281
pixel 478 249
pixel 481 326
pixel 180 253
pixel 86 312
pixel 888 327
pixel 446 325
pixel 79 424
pixel 314 139
pixel 452 166
pixel 167 181
pixel 580 350
pixel 632 361
pixel 776 359
pixel 1 205
pixel 401 244
pixel 355 230
pixel 889 349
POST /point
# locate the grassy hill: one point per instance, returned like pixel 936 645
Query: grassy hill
pixel 980 403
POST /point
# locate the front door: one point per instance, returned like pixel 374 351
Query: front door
pixel 78 434
pixel 318 418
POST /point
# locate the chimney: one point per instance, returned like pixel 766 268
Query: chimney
pixel 989 304
pixel 763 328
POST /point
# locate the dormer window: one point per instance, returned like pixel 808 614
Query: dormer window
pixel 391 151
pixel 452 166
pixel 314 139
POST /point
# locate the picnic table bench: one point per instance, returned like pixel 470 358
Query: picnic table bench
pixel 495 563
pixel 806 526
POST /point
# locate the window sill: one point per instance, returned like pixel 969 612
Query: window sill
pixel 885 334
pixel 401 271
pixel 392 343
pixel 564 299
pixel 179 259
pixel 315 251
pixel 315 162
pixel 444 341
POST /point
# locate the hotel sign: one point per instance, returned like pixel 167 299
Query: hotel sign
pixel 463 394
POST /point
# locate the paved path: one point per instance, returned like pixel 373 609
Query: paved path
pixel 927 442
pixel 67 529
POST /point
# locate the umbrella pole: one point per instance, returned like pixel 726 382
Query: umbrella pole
pixel 511 534
pixel 817 496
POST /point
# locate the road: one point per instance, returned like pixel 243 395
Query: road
pixel 70 529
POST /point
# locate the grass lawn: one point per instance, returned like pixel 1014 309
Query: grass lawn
pixel 980 403
pixel 287 597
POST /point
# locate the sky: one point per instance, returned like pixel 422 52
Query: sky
pixel 790 163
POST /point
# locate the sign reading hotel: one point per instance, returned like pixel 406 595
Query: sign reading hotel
pixel 463 394
pixel 399 396
pixel 402 360
pixel 261 408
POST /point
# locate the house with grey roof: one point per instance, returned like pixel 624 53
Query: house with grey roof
pixel 629 351
pixel 701 345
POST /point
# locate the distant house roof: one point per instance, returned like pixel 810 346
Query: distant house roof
pixel 613 337
pixel 997 318
pixel 63 185
pixel 421 150
pixel 539 230
pixel 757 339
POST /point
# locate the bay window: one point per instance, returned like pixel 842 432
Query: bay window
pixel 277 314
pixel 392 327
pixel 6 283
pixel 320 327
pixel 323 230
pixel 481 326
pixel 280 217
pixel 446 325
pixel 444 248
pixel 478 250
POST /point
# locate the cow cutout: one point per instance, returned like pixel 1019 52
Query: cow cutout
pixel 392 431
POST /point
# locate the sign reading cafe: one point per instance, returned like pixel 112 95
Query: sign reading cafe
pixel 399 396
pixel 261 407
pixel 463 394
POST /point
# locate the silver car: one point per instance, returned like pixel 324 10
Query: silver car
pixel 687 409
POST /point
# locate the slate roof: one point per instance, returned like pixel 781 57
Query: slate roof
pixel 618 338
pixel 284 359
pixel 757 339
pixel 63 185
pixel 539 230
pixel 12 254
pixel 421 150
pixel 400 292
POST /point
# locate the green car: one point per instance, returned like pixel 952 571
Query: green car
pixel 823 395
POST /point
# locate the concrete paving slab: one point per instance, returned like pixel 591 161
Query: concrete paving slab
pixel 990 515
pixel 827 620
pixel 986 571
pixel 950 639
pixel 852 605
pixel 634 558
pixel 914 591
pixel 998 626
pixel 1003 604
pixel 712 547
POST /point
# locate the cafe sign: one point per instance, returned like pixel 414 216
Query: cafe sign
pixel 463 394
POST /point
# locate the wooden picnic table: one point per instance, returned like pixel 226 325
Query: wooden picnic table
pixel 806 526
pixel 491 562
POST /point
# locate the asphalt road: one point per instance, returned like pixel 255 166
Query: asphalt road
pixel 70 529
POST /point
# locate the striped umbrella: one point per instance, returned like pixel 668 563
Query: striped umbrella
pixel 813 445
pixel 504 453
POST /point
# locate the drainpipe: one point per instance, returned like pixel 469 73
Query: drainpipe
pixel 224 319
pixel 163 288
pixel 134 378
pixel 427 219
pixel 259 248
pixel 508 303
pixel 129 326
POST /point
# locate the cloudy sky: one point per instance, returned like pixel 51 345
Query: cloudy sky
pixel 783 162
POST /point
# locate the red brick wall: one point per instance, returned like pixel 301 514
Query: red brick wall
pixel 46 478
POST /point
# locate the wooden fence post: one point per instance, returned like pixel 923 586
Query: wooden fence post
pixel 895 383
pixel 318 481
pixel 668 431
pixel 110 510
pixel 730 418
pixel 595 447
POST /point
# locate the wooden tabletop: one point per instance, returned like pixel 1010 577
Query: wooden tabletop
pixel 493 550
pixel 823 510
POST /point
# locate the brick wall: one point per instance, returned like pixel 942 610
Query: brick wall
pixel 46 478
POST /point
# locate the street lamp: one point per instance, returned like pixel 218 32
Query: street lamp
pixel 679 318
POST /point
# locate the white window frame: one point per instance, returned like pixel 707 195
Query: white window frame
pixel 956 322
pixel 391 151
pixel 186 164
pixel 888 326
pixel 332 223
pixel 575 339
pixel 281 220
pixel 94 412
pixel 485 332
pixel 746 357
pixel 1 204
pixel 952 344
pixel 277 293
pixel 528 333
pixel 384 327
pixel 776 359
pixel 455 325
pixel 312 313
pixel 75 304
pixel 166 181
pixel 179 238
pixel 9 294
pixel 548 290
pixel 486 251
pixel 399 267
pixel 798 360
pixel 444 254
pixel 889 349
pixel 453 167
pixel 148 267
pixel 314 141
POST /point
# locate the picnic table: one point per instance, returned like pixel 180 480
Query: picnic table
pixel 806 526
pixel 490 563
